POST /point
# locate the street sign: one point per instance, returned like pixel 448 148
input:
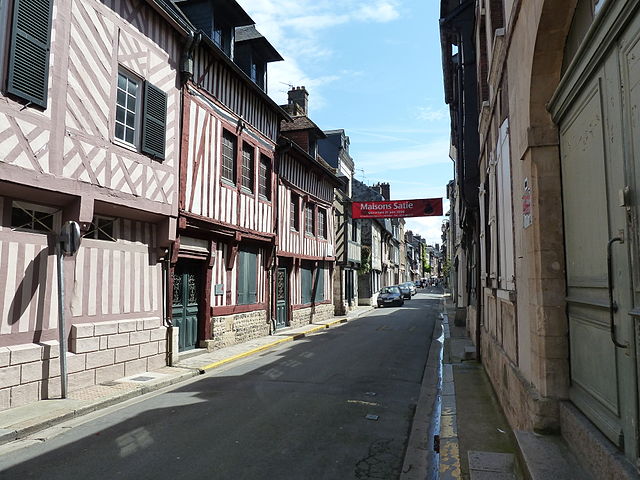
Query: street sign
pixel 424 207
pixel 69 238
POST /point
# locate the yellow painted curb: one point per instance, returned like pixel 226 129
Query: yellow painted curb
pixel 270 345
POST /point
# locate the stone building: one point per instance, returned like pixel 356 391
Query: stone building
pixel 555 314
pixel 334 149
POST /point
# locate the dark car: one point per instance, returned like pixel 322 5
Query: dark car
pixel 405 290
pixel 411 287
pixel 390 296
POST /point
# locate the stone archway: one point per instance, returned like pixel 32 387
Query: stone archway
pixel 543 243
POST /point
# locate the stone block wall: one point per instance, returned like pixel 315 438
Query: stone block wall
pixel 316 313
pixel 238 328
pixel 98 352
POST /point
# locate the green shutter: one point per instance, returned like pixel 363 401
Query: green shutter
pixel 29 50
pixel 306 284
pixel 319 285
pixel 252 277
pixel 242 286
pixel 247 277
pixel 154 122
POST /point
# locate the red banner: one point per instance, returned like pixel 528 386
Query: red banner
pixel 425 207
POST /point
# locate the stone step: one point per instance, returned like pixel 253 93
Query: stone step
pixel 491 466
pixel 470 353
pixel 547 457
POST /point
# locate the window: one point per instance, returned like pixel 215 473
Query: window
pixel 222 35
pixel 141 115
pixel 29 44
pixel 247 167
pixel 247 277
pixel 35 218
pixel 354 230
pixel 102 228
pixel 229 157
pixel 322 223
pixel 295 212
pixel 309 219
pixel 264 177
pixel 127 108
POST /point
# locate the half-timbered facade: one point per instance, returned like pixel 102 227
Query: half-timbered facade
pixel 306 234
pixel 89 108
pixel 222 260
pixel 335 150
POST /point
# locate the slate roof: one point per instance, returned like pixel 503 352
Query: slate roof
pixel 251 34
pixel 301 122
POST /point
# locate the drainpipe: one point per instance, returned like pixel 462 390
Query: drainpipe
pixel 166 315
pixel 479 291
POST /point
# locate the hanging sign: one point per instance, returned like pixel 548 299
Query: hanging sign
pixel 425 207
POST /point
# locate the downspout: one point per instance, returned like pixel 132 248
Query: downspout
pixel 479 291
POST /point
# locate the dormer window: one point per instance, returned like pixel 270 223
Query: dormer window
pixel 222 36
pixel 252 53
pixel 313 146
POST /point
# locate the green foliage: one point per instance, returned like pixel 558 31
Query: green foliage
pixel 424 258
pixel 446 268
pixel 365 260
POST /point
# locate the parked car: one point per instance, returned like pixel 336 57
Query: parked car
pixel 390 296
pixel 418 283
pixel 405 290
pixel 412 287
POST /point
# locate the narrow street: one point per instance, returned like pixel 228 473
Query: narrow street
pixel 336 405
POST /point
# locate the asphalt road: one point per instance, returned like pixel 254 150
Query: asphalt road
pixel 336 405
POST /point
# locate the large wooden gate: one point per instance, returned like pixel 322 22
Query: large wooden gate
pixel 598 116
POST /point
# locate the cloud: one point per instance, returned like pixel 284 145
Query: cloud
pixel 428 114
pixel 429 228
pixel 294 28
pixel 379 12
pixel 436 152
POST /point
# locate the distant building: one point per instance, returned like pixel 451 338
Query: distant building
pixel 335 150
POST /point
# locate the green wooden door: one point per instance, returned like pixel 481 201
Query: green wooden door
pixel 596 164
pixel 185 312
pixel 282 298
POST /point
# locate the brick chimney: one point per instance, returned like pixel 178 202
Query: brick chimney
pixel 383 189
pixel 298 101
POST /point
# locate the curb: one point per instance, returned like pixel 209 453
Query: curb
pixel 59 416
pixel 421 460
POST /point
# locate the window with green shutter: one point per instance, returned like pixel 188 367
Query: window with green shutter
pixel 28 73
pixel 247 277
pixel 141 115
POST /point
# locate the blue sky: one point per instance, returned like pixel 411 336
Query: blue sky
pixel 372 68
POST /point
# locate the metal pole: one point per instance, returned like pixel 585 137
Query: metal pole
pixel 61 325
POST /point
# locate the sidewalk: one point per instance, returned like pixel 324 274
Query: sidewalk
pixel 476 441
pixel 17 423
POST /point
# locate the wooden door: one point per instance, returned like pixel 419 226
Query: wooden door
pixel 599 241
pixel 186 303
pixel 282 298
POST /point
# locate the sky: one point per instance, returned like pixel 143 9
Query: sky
pixel 374 69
